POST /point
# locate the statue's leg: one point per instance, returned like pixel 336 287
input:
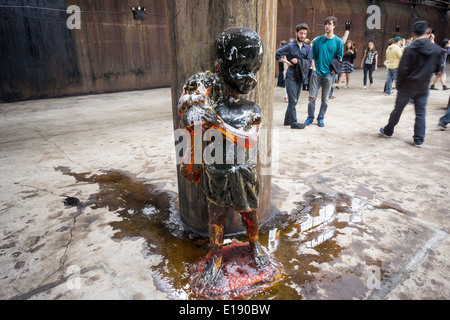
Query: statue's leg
pixel 251 223
pixel 217 217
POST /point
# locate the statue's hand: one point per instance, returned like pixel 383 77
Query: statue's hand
pixel 197 115
pixel 210 118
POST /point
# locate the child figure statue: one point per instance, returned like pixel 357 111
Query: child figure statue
pixel 214 102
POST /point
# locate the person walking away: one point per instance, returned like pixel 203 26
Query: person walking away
pixel 295 52
pixel 347 62
pixel 369 63
pixel 440 75
pixel 393 56
pixel 419 61
pixel 325 48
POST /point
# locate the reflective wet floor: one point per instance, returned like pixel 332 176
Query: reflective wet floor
pixel 302 241
pixel 357 216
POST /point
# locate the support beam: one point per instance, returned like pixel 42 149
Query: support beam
pixel 193 27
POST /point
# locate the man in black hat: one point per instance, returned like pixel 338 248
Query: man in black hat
pixel 420 60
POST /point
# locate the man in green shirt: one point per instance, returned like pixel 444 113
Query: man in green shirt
pixel 325 48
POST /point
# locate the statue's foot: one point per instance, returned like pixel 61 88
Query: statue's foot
pixel 210 273
pixel 260 256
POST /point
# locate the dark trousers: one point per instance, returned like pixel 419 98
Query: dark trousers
pixel 280 82
pixel 446 118
pixel 368 68
pixel 293 89
pixel 420 102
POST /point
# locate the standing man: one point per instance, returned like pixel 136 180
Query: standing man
pixel 324 49
pixel 298 58
pixel 420 60
pixel 394 54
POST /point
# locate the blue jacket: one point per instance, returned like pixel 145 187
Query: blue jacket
pixel 291 51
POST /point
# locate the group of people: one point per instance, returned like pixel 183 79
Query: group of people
pixel 394 54
pixel 326 59
pixel 300 58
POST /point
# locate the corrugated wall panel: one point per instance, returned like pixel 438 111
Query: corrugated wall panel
pixel 111 52
pixel 41 57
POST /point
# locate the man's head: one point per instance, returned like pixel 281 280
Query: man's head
pixel 420 28
pixel 239 53
pixel 301 32
pixel 330 24
pixel 398 40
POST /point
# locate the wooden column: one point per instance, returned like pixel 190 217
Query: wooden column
pixel 193 27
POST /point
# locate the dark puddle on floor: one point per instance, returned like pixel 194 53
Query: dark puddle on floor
pixel 301 241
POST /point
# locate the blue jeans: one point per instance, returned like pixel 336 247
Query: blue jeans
pixel 332 84
pixel 368 68
pixel 446 118
pixel 420 102
pixel 326 82
pixel 293 89
pixel 391 76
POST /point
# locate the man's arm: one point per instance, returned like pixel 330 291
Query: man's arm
pixel 437 60
pixel 281 53
pixel 309 55
pixel 345 37
pixel 403 68
pixel 340 51
pixel 285 61
pixel 399 53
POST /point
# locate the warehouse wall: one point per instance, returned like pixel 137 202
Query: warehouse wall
pixel 41 57
pixel 394 13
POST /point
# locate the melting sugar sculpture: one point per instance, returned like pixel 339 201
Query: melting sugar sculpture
pixel 211 103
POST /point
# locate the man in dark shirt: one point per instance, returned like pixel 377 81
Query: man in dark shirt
pixel 420 60
pixel 292 54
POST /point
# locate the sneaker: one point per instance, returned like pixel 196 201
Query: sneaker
pixel 442 126
pixel 298 126
pixel 320 123
pixel 433 87
pixel 364 88
pixel 418 144
pixel 384 134
pixel 444 87
pixel 308 121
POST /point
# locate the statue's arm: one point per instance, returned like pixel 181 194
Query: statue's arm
pixel 245 138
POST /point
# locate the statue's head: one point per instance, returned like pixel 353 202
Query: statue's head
pixel 239 53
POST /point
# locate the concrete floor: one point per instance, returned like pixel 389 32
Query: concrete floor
pixel 397 246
